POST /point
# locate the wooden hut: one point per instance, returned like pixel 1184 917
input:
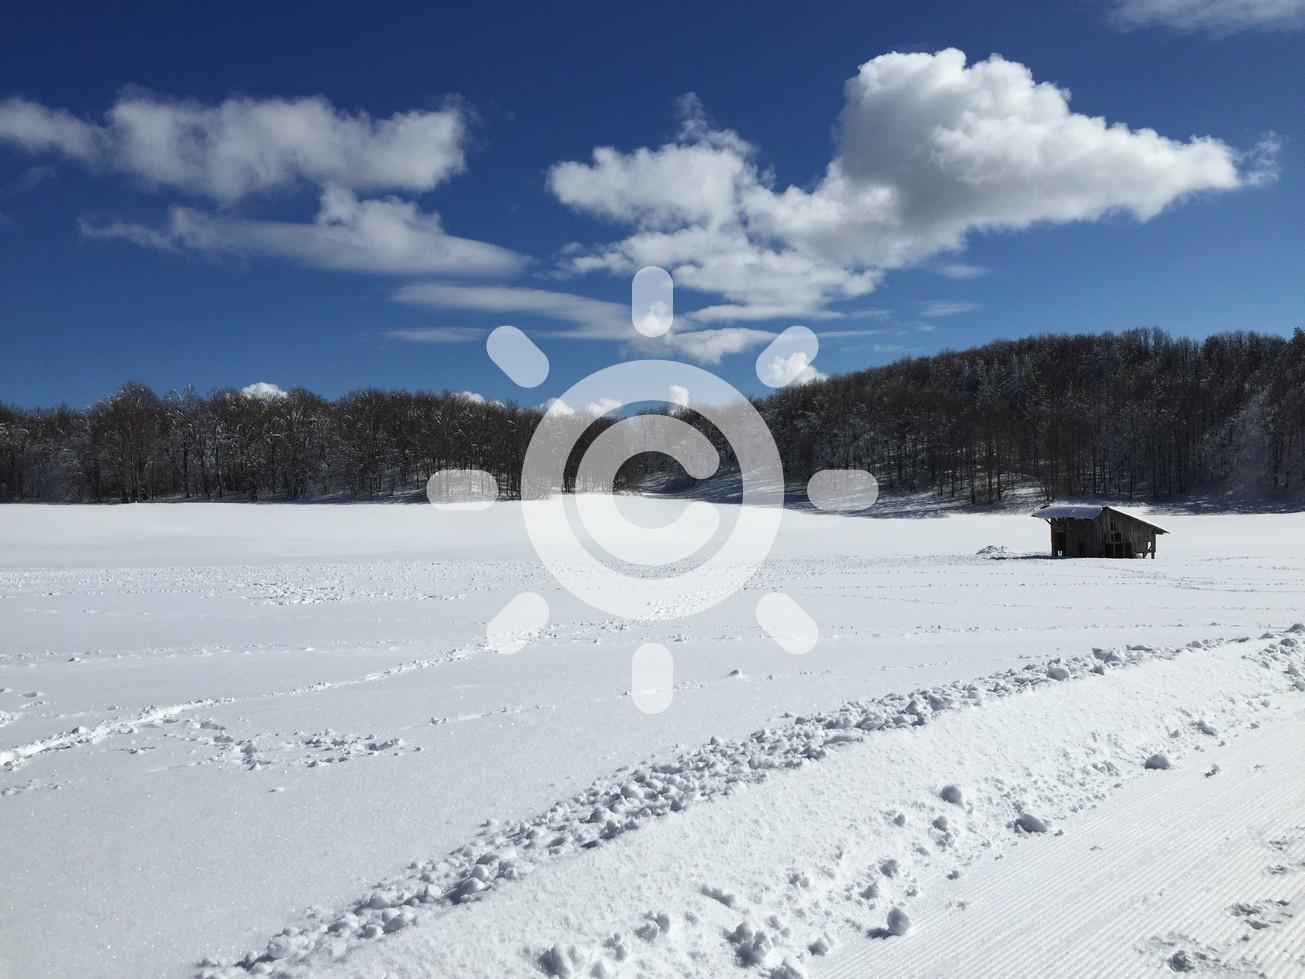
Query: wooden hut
pixel 1087 530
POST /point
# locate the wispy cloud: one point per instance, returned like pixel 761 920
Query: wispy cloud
pixel 1263 163
pixel 387 236
pixel 936 308
pixel 1219 17
pixel 438 334
pixel 587 318
pixel 31 178
pixel 962 271
pixel 709 346
pixel 850 334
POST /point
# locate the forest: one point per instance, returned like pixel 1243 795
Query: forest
pixel 1134 415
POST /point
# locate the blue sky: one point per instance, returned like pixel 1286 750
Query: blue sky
pixel 217 195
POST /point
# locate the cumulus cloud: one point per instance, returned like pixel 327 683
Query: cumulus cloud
pixel 472 398
pixel 263 391
pixel 930 149
pixel 1213 16
pixel 593 409
pixel 387 235
pixel 780 369
pixel 243 146
pixel 598 407
pixel 557 406
pixel 678 395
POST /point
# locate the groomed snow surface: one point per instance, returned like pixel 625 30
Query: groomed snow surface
pixel 271 740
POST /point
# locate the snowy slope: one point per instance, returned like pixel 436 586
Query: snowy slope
pixel 216 717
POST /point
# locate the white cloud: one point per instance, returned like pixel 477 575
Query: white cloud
pixel 586 319
pixel 930 150
pixel 36 129
pixel 1262 163
pixel 263 391
pixel 243 146
pixel 438 334
pixel 1213 16
pixel 780 370
pixel 388 236
pixel 678 395
pixel 471 397
pixel 962 271
pixel 162 239
pixel 594 409
pixel 760 280
pixel 234 149
pixel 557 406
pixel 709 346
pixel 936 308
pixel 589 318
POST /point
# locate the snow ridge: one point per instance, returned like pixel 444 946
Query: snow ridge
pixel 634 798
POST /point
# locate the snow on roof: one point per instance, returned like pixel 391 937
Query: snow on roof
pixel 1084 511
pixel 1068 511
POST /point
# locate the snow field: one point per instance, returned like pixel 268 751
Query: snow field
pixel 221 722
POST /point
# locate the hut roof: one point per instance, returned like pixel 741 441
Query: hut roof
pixel 1068 511
pixel 1085 511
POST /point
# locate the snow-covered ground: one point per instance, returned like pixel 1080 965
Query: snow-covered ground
pixel 273 738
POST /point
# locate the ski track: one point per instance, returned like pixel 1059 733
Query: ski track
pixel 656 790
pixel 1220 886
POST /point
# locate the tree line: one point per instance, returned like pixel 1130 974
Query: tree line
pixel 1133 415
pixel 1139 414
